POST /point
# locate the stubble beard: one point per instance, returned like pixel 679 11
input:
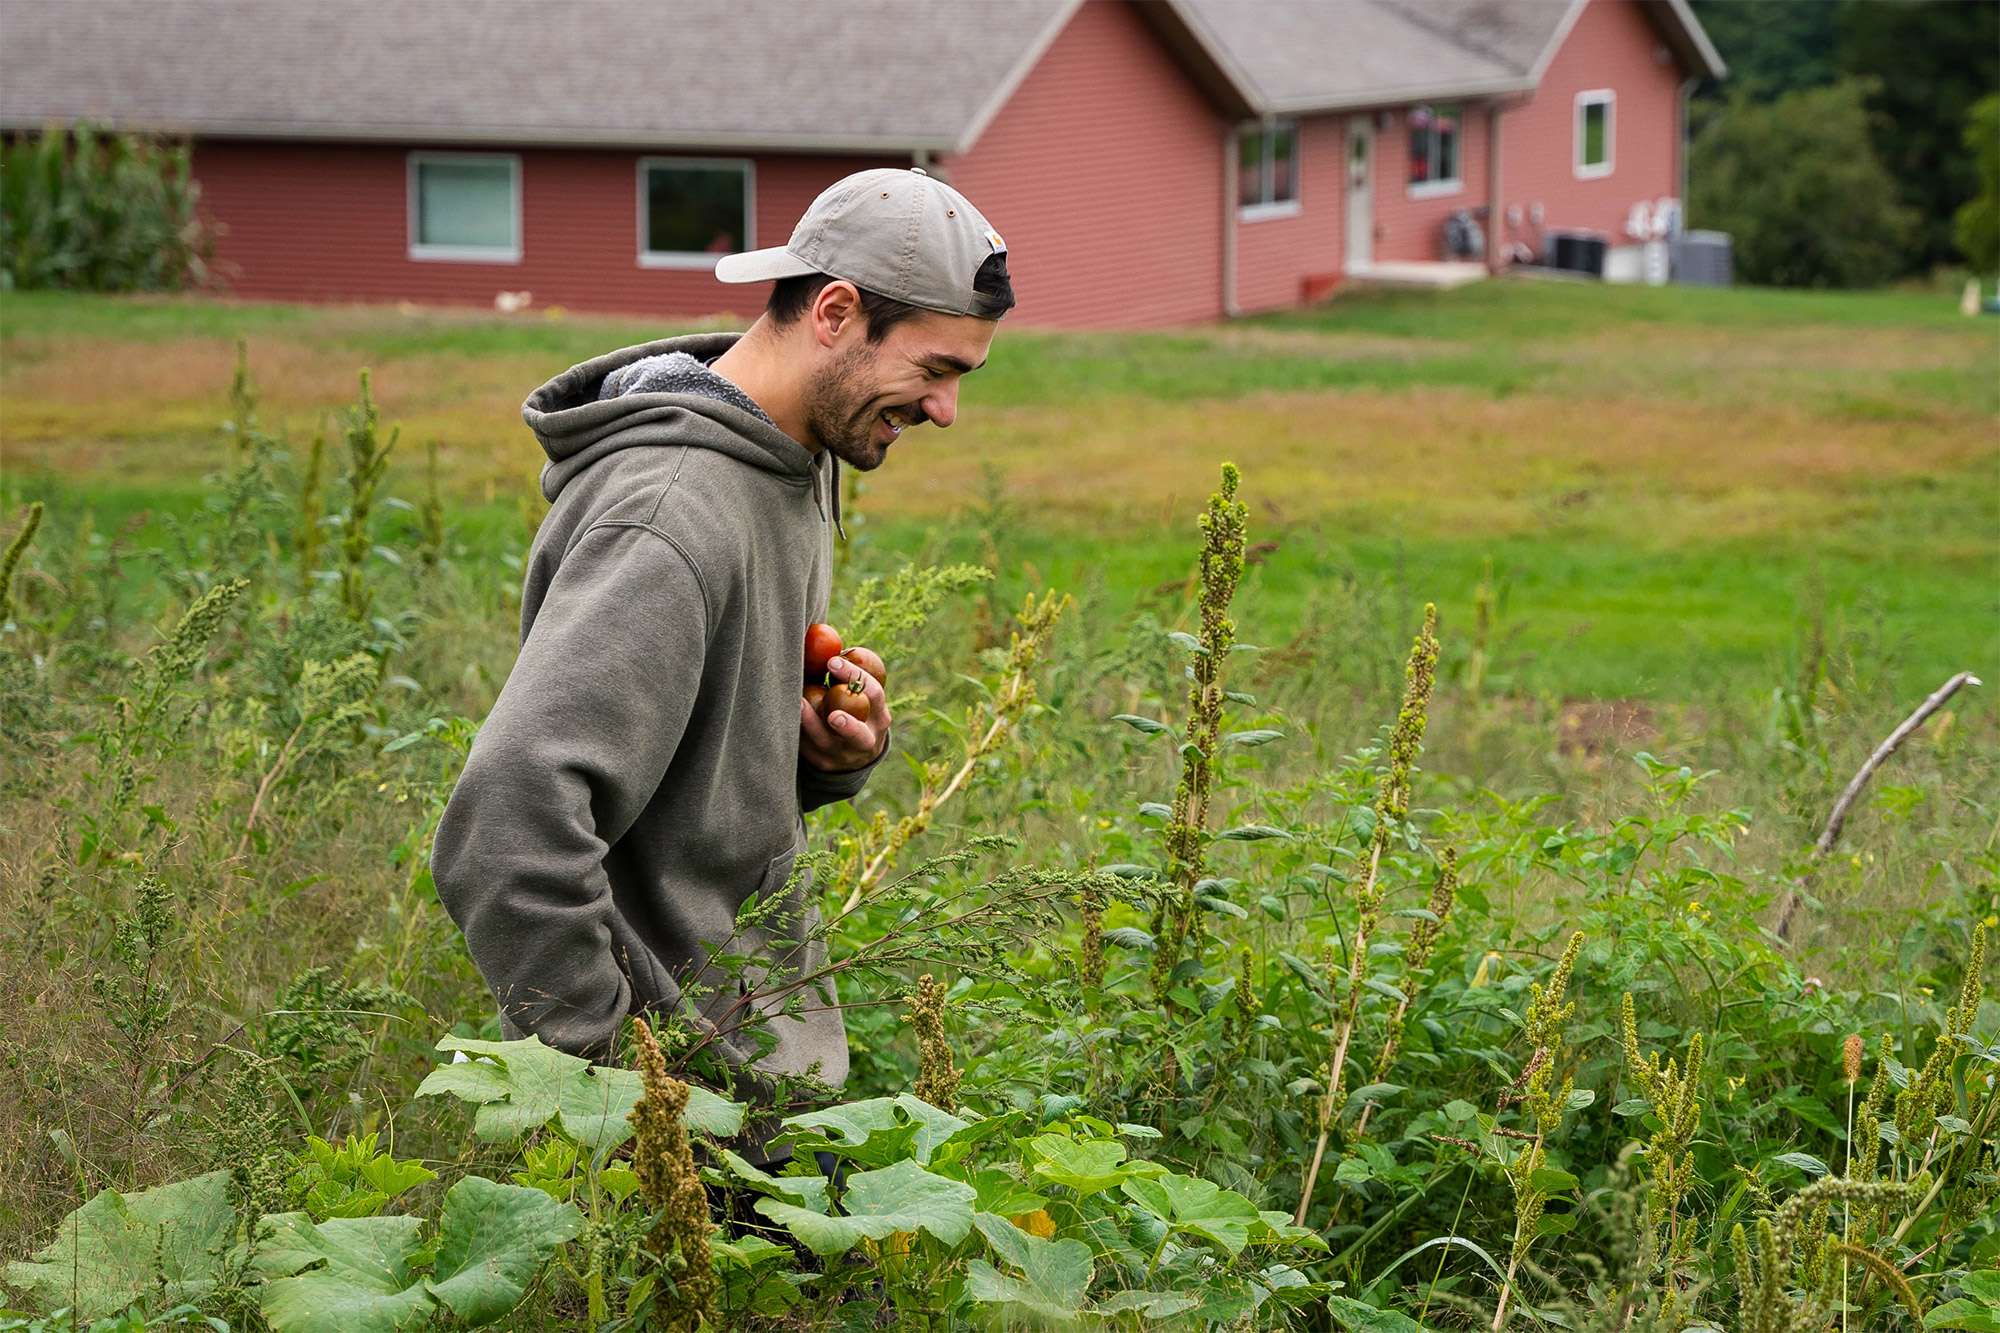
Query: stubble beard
pixel 839 415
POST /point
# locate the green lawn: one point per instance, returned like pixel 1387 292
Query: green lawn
pixel 1667 481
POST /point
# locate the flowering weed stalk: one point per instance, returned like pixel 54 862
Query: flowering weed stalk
pixel 664 1163
pixel 1672 1092
pixel 937 1077
pixel 1417 952
pixel 1392 807
pixel 985 725
pixel 1549 1009
pixel 1222 528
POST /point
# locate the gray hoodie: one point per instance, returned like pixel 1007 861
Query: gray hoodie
pixel 639 776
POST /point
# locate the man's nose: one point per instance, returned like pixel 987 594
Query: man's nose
pixel 941 405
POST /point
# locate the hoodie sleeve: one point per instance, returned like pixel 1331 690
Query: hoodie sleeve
pixel 575 747
pixel 818 787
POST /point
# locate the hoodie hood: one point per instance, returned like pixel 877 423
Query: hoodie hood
pixel 576 428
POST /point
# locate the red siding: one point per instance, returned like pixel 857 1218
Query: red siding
pixel 1408 228
pixel 1104 173
pixel 1276 256
pixel 319 222
pixel 1613 45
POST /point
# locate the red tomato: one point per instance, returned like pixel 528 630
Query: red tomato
pixel 849 699
pixel 816 696
pixel 868 660
pixel 822 643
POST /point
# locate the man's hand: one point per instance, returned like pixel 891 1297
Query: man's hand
pixel 840 741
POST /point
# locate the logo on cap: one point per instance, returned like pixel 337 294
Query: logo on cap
pixel 993 239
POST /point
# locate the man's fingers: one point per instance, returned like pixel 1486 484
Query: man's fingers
pixel 846 670
pixel 815 728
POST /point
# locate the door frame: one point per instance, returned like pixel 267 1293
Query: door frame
pixel 1359 250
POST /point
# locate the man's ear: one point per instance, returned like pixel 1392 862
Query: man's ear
pixel 836 310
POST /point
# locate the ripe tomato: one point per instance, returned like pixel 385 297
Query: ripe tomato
pixel 849 699
pixel 816 696
pixel 868 660
pixel 822 643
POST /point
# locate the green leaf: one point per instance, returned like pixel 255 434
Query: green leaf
pixel 360 1281
pixel 1001 1194
pixel 1145 724
pixel 1252 833
pixel 1087 1167
pixel 1384 988
pixel 1552 1180
pixel 1187 641
pixel 119 1247
pixel 1802 1161
pixel 1055 1274
pixel 1146 1304
pixel 810 1191
pixel 1579 1099
pixel 1977 1308
pixel 1352 1315
pixel 519 1086
pixel 1632 1106
pixel 492 1240
pixel 1262 736
pixel 878 1204
pixel 876 1131
pixel 1199 1207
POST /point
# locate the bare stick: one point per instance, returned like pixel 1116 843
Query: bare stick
pixel 1835 821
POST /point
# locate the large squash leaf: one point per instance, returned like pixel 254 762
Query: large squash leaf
pixel 492 1240
pixel 877 1131
pixel 1055 1274
pixel 120 1247
pixel 519 1086
pixel 878 1204
pixel 360 1282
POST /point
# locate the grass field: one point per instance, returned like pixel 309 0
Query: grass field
pixel 1668 482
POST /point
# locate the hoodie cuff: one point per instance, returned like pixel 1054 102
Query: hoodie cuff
pixel 818 787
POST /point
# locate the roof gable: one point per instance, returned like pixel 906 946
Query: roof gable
pixel 1296 56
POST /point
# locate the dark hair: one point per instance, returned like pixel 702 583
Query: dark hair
pixel 792 297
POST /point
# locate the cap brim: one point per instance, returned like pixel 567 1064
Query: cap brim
pixel 761 266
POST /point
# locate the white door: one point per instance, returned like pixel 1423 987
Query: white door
pixel 1360 193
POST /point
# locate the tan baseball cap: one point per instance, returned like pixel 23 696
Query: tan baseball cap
pixel 897 232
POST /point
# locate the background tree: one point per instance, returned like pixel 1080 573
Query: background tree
pixel 1978 223
pixel 1796 182
pixel 1924 64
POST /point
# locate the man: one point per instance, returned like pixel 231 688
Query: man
pixel 647 766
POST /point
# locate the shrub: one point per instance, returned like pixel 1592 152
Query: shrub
pixel 1797 183
pixel 111 213
pixel 1977 223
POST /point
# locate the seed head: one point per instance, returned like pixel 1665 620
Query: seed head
pixel 937 1078
pixel 665 1166
pixel 1850 1058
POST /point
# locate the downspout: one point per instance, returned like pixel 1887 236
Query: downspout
pixel 1681 141
pixel 1230 308
pixel 1496 217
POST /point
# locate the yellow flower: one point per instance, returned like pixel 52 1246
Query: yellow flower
pixel 1103 822
pixel 1992 921
pixel 1734 1084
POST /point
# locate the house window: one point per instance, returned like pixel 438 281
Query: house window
pixel 1594 129
pixel 692 211
pixel 1267 170
pixel 465 206
pixel 1434 150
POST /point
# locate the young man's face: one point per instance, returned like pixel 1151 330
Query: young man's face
pixel 870 392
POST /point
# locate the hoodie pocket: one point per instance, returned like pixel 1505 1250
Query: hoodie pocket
pixel 652 988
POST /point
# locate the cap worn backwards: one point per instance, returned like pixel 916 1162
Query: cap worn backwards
pixel 900 233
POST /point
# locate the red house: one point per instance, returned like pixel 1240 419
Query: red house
pixel 1150 162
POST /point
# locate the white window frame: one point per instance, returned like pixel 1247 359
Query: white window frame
pixel 462 254
pixel 695 259
pixel 1608 99
pixel 1267 131
pixel 1435 189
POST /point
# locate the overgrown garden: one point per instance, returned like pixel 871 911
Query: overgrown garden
pixel 1177 997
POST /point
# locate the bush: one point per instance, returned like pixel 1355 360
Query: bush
pixel 1797 183
pixel 1977 223
pixel 99 213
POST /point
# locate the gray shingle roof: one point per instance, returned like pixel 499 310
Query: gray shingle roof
pixel 859 75
pixel 856 74
pixel 1293 56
